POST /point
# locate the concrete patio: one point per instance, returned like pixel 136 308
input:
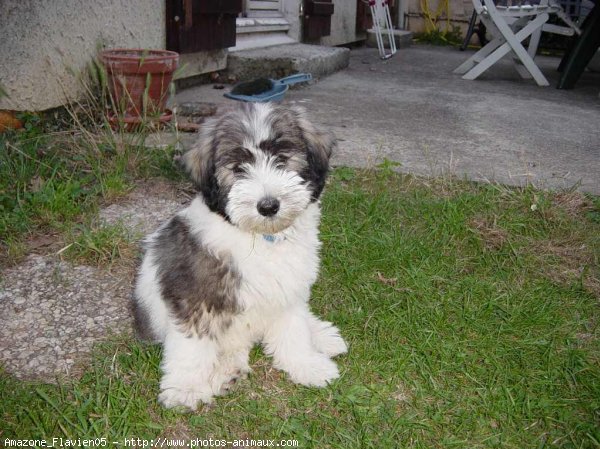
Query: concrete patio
pixel 414 110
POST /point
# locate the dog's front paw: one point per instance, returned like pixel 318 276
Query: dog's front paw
pixel 222 383
pixel 229 371
pixel 332 344
pixel 185 396
pixel 326 338
pixel 314 371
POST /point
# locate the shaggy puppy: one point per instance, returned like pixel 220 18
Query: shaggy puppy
pixel 236 266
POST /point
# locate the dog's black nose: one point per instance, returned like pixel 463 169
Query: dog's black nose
pixel 268 206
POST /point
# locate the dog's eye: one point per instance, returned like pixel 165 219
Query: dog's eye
pixel 281 158
pixel 241 155
pixel 236 159
pixel 238 168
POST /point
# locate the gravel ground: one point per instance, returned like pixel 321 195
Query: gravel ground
pixel 146 207
pixel 54 311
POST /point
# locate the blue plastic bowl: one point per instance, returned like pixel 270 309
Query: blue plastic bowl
pixel 277 91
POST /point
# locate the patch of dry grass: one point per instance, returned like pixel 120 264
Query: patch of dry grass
pixel 568 261
pixel 575 204
pixel 490 233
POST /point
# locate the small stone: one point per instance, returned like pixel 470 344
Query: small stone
pixel 197 109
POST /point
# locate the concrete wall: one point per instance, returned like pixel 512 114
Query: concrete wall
pixel 343 22
pixel 44 44
pixel 291 11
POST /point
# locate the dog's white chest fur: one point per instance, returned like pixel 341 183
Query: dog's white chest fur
pixel 276 270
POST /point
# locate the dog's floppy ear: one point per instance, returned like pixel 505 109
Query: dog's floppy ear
pixel 198 159
pixel 320 145
pixel 199 163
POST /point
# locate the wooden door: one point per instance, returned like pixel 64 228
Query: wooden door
pixel 195 25
pixel 363 18
pixel 317 19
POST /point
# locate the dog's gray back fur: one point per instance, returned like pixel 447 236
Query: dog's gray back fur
pixel 197 286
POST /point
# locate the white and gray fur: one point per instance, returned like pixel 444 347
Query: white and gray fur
pixel 236 267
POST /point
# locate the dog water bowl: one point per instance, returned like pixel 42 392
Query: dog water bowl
pixel 276 92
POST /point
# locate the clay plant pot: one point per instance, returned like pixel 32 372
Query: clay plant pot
pixel 138 82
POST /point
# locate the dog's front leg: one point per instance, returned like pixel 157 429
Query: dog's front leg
pixel 233 359
pixel 187 365
pixel 288 340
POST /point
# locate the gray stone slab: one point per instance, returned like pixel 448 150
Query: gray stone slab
pixel 283 60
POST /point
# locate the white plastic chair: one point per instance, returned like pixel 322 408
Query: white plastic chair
pixel 510 26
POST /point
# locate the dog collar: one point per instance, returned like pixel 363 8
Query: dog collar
pixel 272 238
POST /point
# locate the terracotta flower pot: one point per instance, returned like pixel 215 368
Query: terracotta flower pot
pixel 138 82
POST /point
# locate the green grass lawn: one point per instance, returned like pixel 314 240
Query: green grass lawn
pixel 471 312
pixel 52 183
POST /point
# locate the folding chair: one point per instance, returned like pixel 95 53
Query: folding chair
pixel 474 28
pixel 510 26
pixel 380 12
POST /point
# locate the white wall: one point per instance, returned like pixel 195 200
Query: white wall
pixel 44 44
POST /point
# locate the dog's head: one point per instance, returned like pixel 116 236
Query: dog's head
pixel 260 165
